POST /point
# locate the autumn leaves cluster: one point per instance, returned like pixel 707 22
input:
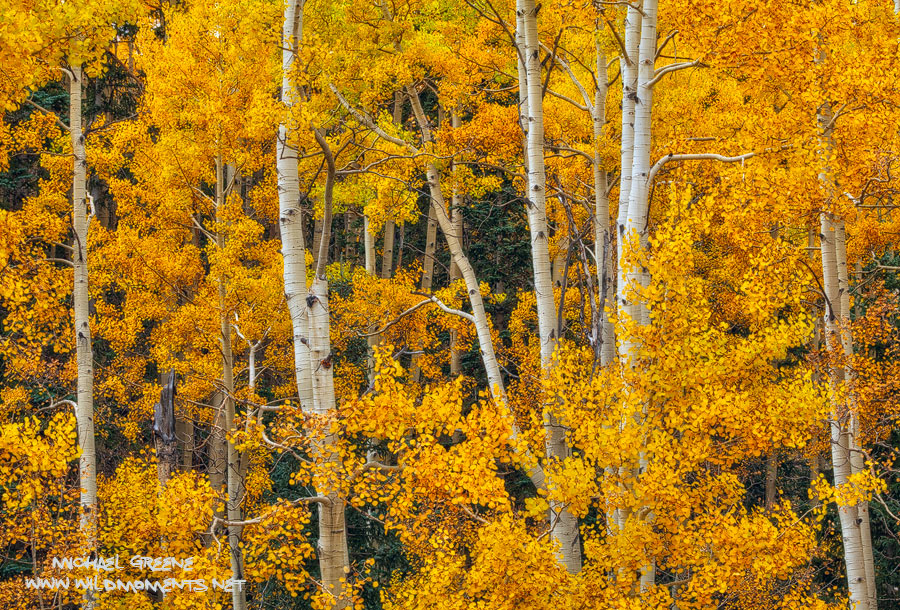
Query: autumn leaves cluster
pixel 470 304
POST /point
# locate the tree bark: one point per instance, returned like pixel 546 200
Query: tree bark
pixel 635 229
pixel 455 274
pixel 334 559
pixel 602 230
pixel 185 434
pixel 841 442
pixel 233 481
pixel 84 352
pixel 564 525
pixel 387 256
pixel 857 463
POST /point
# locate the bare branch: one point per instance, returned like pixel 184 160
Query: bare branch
pixel 439 303
pixel 366 120
pixel 695 157
pixel 672 68
pixel 61 125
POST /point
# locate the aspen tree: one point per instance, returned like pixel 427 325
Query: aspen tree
pixel 563 524
pixel 310 314
pixel 82 212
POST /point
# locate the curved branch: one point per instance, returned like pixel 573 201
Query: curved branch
pixel 695 157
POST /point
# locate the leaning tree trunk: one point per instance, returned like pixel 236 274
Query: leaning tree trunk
pixel 84 353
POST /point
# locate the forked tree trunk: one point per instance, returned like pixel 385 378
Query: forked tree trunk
pixel 309 312
pixel 334 559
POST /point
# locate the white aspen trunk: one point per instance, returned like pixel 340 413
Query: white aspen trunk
pixel 522 53
pixel 455 274
pixel 602 234
pixel 842 443
pixel 563 524
pixel 369 246
pixel 84 351
pixel 454 244
pixel 387 257
pixel 314 383
pixel 536 202
pixel 638 202
pixel 430 249
pixel 628 67
pixel 334 559
pixel 293 247
pixel 840 437
pixel 857 461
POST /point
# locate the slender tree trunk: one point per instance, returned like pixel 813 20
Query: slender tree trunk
pixel 455 274
pixel 317 238
pixel 564 525
pixel 293 246
pixel 427 278
pixel 369 246
pixel 334 559
pixel 635 229
pixel 84 352
pixel 185 433
pixel 628 67
pixel 430 249
pixel 771 478
pixel 233 481
pixel 602 231
pixel 387 256
pixel 857 462
pixel 216 445
pixel 841 442
pixel 473 287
